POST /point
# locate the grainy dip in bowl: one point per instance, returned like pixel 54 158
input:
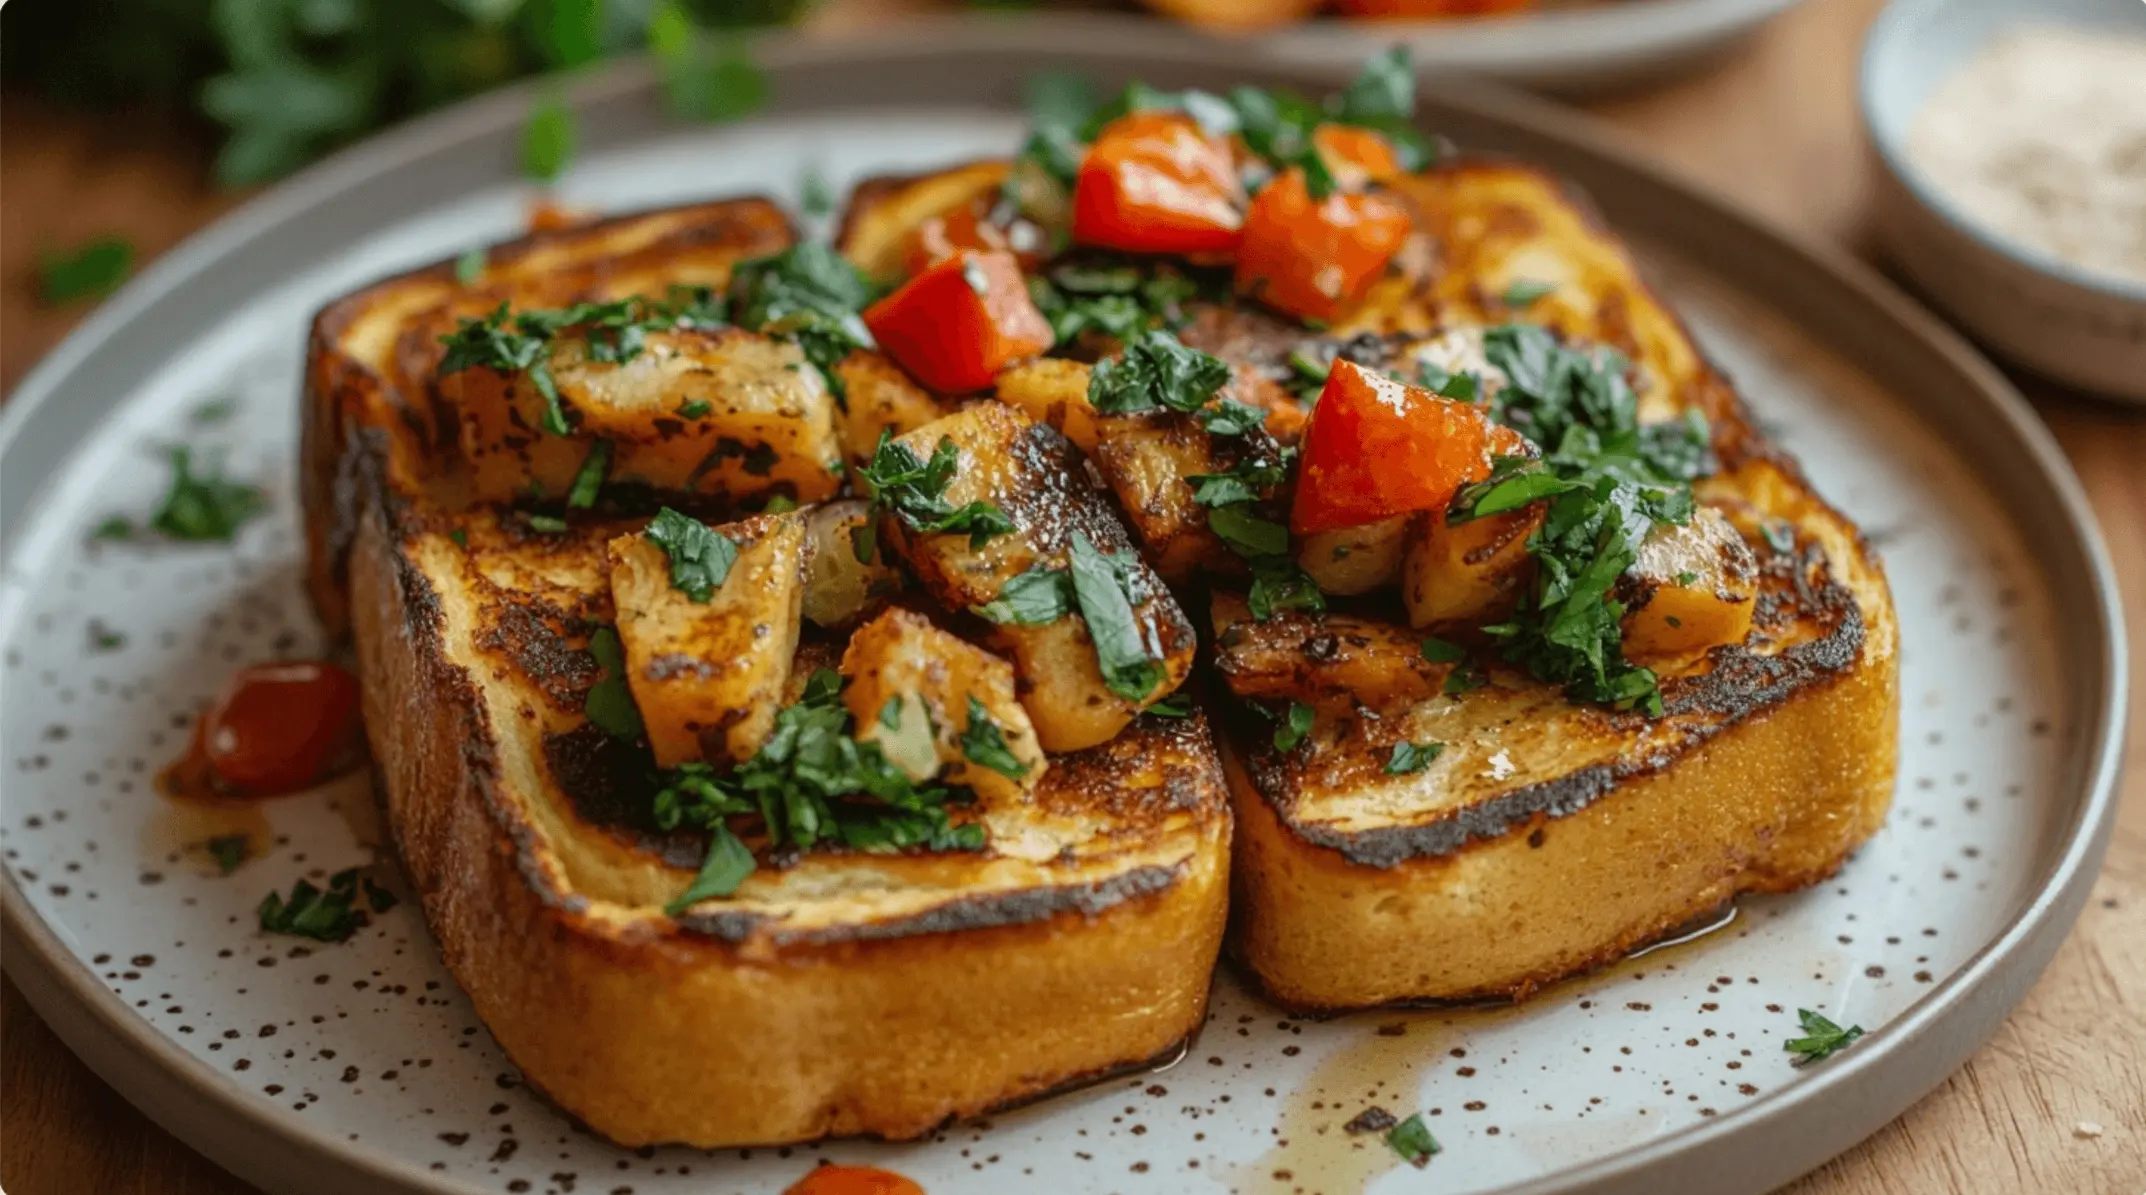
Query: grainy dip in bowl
pixel 2013 137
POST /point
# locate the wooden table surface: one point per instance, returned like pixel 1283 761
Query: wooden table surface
pixel 1773 127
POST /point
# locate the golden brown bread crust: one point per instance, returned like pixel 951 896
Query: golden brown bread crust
pixel 836 993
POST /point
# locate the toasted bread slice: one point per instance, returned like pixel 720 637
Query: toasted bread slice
pixel 1549 837
pixel 836 992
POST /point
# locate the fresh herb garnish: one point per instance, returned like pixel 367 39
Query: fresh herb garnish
pixel 1685 579
pixel 521 342
pixel 1463 680
pixel 1822 1039
pixel 810 782
pixel 90 270
pixel 915 491
pixel 727 864
pixel 325 916
pixel 590 477
pixel 1248 480
pixel 610 705
pixel 700 555
pixel 1443 651
pixel 1156 372
pixel 1176 705
pixel 807 294
pixel 1248 534
pixel 1607 481
pixel 112 527
pixel 547 138
pixel 814 197
pixel 200 507
pixel 1779 535
pixel 984 743
pixel 544 524
pixel 103 638
pixel 1408 758
pixel 1413 1141
pixel 1040 595
pixel 216 410
pixel 228 851
pixel 707 74
pixel 1523 291
pixel 470 266
pixel 1103 588
pixel 1118 300
pixel 1278 125
pixel 1293 726
pixel 696 409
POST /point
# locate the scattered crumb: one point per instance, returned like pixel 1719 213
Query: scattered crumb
pixel 2086 1130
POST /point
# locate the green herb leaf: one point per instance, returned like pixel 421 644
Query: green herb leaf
pixel 547 138
pixel 814 197
pixel 1779 535
pixel 112 527
pixel 1040 595
pixel 324 916
pixel 1822 1039
pixel 1102 587
pixel 1294 726
pixel 1156 371
pixel 1442 651
pixel 90 270
pixel 1408 758
pixel 202 507
pixel 1120 300
pixel 1232 418
pixel 1176 705
pixel 1523 291
pixel 700 555
pixel 985 744
pixel 590 477
pixel 545 524
pixel 1413 1141
pixel 610 705
pixel 1247 533
pixel 696 409
pixel 1385 90
pixel 228 850
pixel 1685 579
pixel 1463 680
pixel 212 412
pixel 915 491
pixel 728 863
pixel 809 295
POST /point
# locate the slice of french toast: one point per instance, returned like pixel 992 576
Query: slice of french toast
pixel 1061 926
pixel 1437 830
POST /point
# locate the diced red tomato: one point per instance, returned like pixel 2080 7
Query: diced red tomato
pixel 1356 155
pixel 1376 448
pixel 956 324
pixel 281 727
pixel 1154 182
pixel 1315 258
pixel 940 237
pixel 829 1179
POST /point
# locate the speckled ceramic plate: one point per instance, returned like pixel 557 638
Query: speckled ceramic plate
pixel 360 1068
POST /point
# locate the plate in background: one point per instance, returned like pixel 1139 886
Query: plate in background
pixel 360 1068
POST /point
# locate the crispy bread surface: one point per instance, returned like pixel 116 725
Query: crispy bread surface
pixel 835 993
pixel 1549 837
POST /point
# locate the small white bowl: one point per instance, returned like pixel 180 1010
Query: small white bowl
pixel 2085 329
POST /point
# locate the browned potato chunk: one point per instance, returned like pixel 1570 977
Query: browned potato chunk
pixel 1354 560
pixel 1035 478
pixel 880 397
pixel 709 676
pixel 839 588
pixel 1329 660
pixel 710 412
pixel 1692 588
pixel 884 213
pixel 1054 391
pixel 1469 572
pixel 910 686
pixel 1148 459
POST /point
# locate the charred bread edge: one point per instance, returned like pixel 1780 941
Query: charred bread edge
pixel 1741 685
